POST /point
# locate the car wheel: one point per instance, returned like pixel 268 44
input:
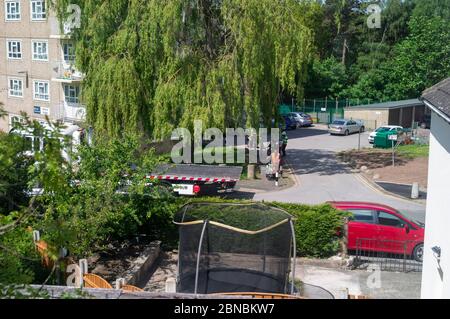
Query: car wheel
pixel 347 133
pixel 418 253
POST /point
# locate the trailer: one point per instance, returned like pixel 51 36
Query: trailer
pixel 193 179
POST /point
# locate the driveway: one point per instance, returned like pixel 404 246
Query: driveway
pixel 376 285
pixel 321 177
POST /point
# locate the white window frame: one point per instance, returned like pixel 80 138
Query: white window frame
pixel 41 16
pixel 18 14
pixel 72 99
pixel 37 96
pixel 18 117
pixel 9 53
pixel 10 88
pixel 68 61
pixel 35 56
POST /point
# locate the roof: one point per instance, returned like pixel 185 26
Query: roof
pixel 389 105
pixel 438 98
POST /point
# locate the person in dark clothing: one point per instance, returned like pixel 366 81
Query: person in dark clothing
pixel 284 143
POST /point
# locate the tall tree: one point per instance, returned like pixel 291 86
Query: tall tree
pixel 155 65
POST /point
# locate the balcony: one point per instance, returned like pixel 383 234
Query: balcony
pixel 64 72
pixel 71 112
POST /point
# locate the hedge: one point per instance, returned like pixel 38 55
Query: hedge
pixel 316 227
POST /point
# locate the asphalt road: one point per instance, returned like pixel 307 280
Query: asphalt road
pixel 321 178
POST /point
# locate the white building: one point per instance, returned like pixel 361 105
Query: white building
pixel 436 267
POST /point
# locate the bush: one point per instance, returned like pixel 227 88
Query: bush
pixel 316 228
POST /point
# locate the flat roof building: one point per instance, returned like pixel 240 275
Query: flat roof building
pixel 402 113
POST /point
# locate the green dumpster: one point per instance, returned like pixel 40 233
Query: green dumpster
pixel 382 139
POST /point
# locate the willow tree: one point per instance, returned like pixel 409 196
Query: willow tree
pixel 155 65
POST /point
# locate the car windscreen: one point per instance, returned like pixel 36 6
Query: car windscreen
pixel 339 122
pixel 383 129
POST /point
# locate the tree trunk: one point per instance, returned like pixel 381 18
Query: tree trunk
pixel 344 51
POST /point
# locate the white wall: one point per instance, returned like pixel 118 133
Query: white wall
pixel 436 275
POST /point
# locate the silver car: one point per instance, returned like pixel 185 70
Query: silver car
pixel 346 127
pixel 302 119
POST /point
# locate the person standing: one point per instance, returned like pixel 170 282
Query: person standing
pixel 284 143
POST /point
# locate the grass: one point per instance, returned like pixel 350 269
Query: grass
pixel 414 151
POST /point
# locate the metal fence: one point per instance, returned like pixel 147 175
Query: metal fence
pixel 376 252
pixel 320 114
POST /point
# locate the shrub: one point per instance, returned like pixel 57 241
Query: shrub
pixel 316 228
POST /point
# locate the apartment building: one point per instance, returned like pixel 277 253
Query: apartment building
pixel 37 73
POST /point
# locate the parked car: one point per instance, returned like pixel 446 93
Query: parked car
pixel 302 119
pixel 290 123
pixel 346 127
pixel 388 229
pixel 386 128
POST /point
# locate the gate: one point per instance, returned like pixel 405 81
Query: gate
pixel 367 255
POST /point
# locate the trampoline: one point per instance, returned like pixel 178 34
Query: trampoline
pixel 232 248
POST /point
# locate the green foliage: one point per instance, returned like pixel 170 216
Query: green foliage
pixel 19 261
pixel 109 201
pixel 155 65
pixel 327 78
pixel 95 195
pixel 422 59
pixel 414 150
pixel 316 228
pixel 14 166
pixel 397 61
pixel 21 292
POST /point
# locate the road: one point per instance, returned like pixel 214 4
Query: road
pixel 321 177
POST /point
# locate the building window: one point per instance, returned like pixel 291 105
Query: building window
pixel 12 10
pixel 69 52
pixel 40 50
pixel 14 48
pixel 72 94
pixel 15 88
pixel 15 120
pixel 38 10
pixel 41 90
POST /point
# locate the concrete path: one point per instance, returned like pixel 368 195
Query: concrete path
pixel 376 285
pixel 321 177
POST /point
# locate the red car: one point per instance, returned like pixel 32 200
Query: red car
pixel 380 228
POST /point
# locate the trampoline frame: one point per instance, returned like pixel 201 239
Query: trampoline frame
pixel 206 222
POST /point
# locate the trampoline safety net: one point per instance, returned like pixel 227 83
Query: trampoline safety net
pixel 234 248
